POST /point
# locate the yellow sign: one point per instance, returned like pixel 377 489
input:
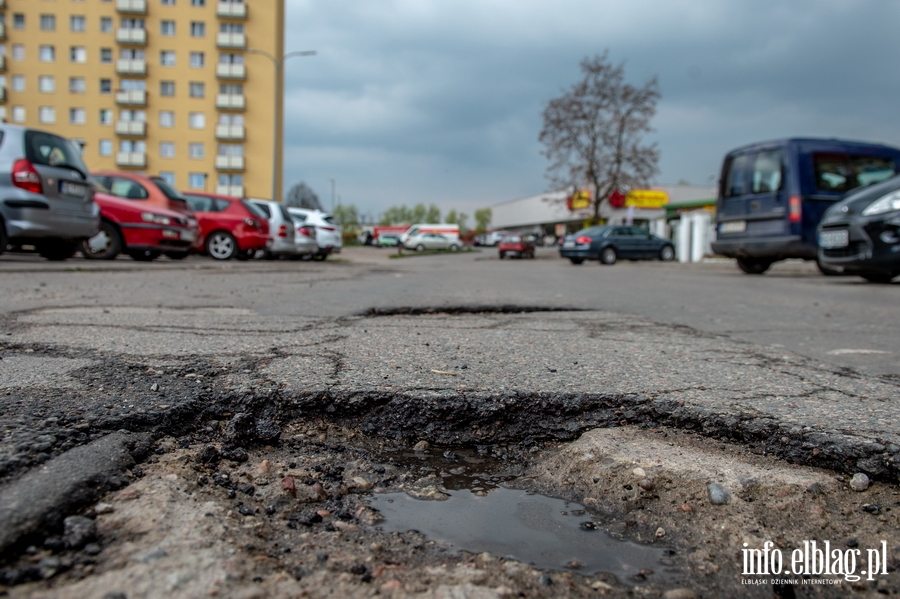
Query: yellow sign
pixel 646 198
pixel 580 200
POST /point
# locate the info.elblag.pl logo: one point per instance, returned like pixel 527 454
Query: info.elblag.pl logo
pixel 815 559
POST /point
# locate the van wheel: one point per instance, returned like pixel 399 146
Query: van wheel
pixel 827 270
pixel 608 256
pixel 753 266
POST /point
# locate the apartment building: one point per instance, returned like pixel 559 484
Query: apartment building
pixel 168 87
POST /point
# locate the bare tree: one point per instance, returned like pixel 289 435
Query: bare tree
pixel 301 195
pixel 592 134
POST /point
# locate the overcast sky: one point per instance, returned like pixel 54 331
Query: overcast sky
pixel 440 102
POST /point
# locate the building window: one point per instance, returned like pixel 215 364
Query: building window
pixel 129 23
pixel 77 54
pixel 106 86
pixel 167 2
pixel 105 55
pixel 166 88
pixel 106 116
pixel 18 83
pixel 77 23
pixel 80 144
pixel 196 150
pixel 129 145
pixel 198 2
pixel 231 180
pixel 47 84
pixel 48 22
pixel 18 52
pixel 197 60
pixel 47 53
pixel 231 28
pixel 167 58
pixel 167 149
pixel 231 119
pixel 137 116
pixel 105 147
pixel 197 180
pixel 230 58
pixel 198 29
pixel 231 150
pixel 18 114
pixel 47 115
pixel 106 25
pixel 76 85
pixel 133 85
pixel 168 177
pixel 232 89
pixel 196 120
pixel 132 54
pixel 18 21
pixel 76 116
pixel 166 119
pixel 167 28
pixel 197 89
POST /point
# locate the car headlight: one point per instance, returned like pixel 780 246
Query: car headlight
pixel 157 219
pixel 887 203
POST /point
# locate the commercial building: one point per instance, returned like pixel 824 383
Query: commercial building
pixel 169 87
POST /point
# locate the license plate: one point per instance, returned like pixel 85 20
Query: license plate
pixel 834 239
pixel 569 244
pixel 188 236
pixel 733 226
pixel 72 189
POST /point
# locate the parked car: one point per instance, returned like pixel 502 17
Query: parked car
pixel 229 227
pixel 493 238
pixel 387 240
pixel 772 195
pixel 516 245
pixel 860 235
pixel 140 231
pixel 329 235
pixel 305 237
pixel 608 243
pixel 431 241
pixel 281 228
pixel 149 191
pixel 47 199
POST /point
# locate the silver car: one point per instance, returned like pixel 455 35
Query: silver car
pixel 281 228
pixel 47 199
pixel 306 243
pixel 329 235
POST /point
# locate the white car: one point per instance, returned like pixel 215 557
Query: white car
pixel 431 241
pixel 329 236
pixel 281 228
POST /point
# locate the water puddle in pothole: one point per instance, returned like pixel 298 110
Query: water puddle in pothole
pixel 483 515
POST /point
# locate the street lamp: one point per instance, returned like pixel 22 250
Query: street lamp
pixel 278 115
pixel 332 195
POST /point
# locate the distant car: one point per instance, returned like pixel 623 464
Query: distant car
pixel 860 235
pixel 329 235
pixel 140 231
pixel 608 243
pixel 229 227
pixel 493 238
pixel 281 228
pixel 47 199
pixel 431 241
pixel 516 245
pixel 387 240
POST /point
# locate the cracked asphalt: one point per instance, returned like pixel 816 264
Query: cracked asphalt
pixel 458 350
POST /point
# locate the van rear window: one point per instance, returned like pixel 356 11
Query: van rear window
pixel 843 172
pixel 735 183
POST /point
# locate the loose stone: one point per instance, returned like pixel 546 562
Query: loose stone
pixel 859 482
pixel 718 495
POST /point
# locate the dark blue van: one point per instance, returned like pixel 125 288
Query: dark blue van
pixel 773 194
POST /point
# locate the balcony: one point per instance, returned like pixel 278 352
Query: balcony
pixel 230 132
pixel 2 63
pixel 231 10
pixel 131 128
pixel 131 159
pixel 230 101
pixel 231 40
pixel 133 66
pixel 231 71
pixel 236 191
pixel 132 7
pixel 135 37
pixel 131 98
pixel 230 163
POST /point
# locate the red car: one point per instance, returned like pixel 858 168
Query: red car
pixel 516 245
pixel 229 227
pixel 142 231
pixel 142 189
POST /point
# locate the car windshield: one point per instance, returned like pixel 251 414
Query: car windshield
pixel 168 191
pixel 285 214
pixel 592 232
pixel 512 239
pixel 253 209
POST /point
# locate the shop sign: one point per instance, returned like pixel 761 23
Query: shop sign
pixel 646 198
pixel 580 200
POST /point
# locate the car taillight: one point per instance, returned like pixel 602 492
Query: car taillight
pixel 583 239
pixel 308 231
pixel 327 228
pixel 282 231
pixel 25 177
pixel 795 212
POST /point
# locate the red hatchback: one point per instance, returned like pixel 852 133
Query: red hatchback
pixel 142 231
pixel 516 245
pixel 229 227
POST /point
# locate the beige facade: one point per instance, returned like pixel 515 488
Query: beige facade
pixel 168 87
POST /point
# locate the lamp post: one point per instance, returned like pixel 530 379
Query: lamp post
pixel 278 115
pixel 332 195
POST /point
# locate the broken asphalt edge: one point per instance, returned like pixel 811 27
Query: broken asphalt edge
pixel 42 498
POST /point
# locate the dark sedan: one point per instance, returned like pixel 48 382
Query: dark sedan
pixel 861 234
pixel 608 243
